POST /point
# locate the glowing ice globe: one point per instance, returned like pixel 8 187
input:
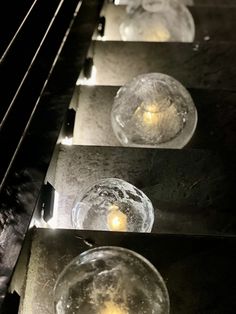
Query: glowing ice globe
pixel 110 280
pixel 153 110
pixel 114 205
pixel 158 20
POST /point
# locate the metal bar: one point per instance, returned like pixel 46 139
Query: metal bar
pixel 26 174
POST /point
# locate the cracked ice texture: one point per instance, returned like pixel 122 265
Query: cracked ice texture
pixel 160 21
pixel 92 209
pixel 153 110
pixel 110 280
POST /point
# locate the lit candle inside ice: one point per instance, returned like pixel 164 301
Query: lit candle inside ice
pixel 159 34
pixel 150 116
pixel 112 308
pixel 116 220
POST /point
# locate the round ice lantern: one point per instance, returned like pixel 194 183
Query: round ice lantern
pixel 153 110
pixel 159 21
pixel 110 280
pixel 114 205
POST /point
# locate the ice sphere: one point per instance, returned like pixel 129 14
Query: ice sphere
pixel 153 110
pixel 110 280
pixel 159 21
pixel 115 205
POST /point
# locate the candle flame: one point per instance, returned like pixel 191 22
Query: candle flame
pixel 149 115
pixel 112 308
pixel 150 118
pixel 160 34
pixel 116 220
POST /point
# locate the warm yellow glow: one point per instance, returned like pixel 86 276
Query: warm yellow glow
pixel 159 34
pixel 116 220
pixel 150 118
pixel 149 115
pixel 112 308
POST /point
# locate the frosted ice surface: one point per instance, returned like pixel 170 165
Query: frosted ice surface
pixel 115 205
pixel 153 110
pixel 110 280
pixel 159 21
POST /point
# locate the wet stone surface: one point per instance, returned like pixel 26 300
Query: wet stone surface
pixel 216 128
pixel 195 65
pixel 197 270
pixel 192 191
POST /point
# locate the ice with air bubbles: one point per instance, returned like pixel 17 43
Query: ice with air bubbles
pixel 110 280
pixel 158 20
pixel 153 110
pixel 113 204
